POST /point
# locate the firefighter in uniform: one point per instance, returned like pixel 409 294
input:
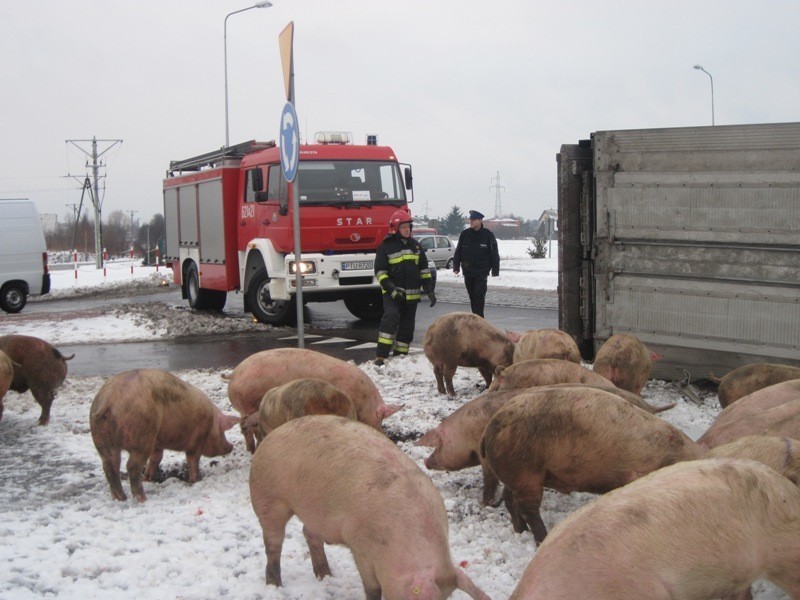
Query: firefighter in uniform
pixel 401 267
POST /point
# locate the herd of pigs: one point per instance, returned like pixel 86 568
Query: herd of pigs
pixel 677 518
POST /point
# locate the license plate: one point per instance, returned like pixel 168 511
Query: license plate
pixel 357 265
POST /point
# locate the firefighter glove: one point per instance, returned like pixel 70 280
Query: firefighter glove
pixel 399 294
pixel 432 298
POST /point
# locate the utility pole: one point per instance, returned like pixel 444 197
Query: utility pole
pixel 133 236
pixel 95 166
pixel 498 205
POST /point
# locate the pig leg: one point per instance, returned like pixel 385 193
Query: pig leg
pixel 273 516
pixel 249 436
pixel 193 461
pixel 449 373
pixel 372 587
pixel 111 462
pixel 153 463
pixel 438 371
pixel 319 561
pixel 136 463
pixel 490 483
pixel 528 500
pixel 44 398
pixel 513 511
pixel 487 376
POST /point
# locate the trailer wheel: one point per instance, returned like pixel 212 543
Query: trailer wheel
pixel 200 298
pixel 13 297
pixel 367 306
pixel 264 308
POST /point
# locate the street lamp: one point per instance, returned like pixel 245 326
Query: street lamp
pixel 700 68
pixel 264 4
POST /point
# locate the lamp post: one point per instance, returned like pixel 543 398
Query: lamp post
pixel 700 68
pixel 264 4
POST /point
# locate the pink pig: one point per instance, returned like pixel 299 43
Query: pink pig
pixel 259 373
pixel 625 361
pixel 544 343
pixel 357 489
pixel 147 411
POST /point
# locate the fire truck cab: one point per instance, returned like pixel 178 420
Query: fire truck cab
pixel 229 220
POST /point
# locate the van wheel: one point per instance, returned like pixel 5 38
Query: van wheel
pixel 199 298
pixel 264 308
pixel 13 297
pixel 367 306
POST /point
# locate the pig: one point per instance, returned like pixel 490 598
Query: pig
pixel 41 369
pixel 749 378
pixel 262 371
pixel 780 454
pixel 543 371
pixel 630 397
pixel 699 529
pixel 456 440
pixel 147 411
pixel 573 439
pixel 299 398
pixel 465 340
pixel 357 489
pixel 625 361
pixel 773 410
pixel 6 376
pixel 544 343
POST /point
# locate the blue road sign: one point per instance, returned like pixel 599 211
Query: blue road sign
pixel 290 142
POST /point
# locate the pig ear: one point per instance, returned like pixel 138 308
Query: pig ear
pixel 387 410
pixel 432 439
pixel 499 370
pixel 514 336
pixel 228 421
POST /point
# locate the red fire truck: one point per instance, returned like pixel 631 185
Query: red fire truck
pixel 229 220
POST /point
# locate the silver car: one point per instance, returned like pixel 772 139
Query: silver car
pixel 438 248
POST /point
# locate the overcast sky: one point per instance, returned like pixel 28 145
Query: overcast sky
pixel 461 89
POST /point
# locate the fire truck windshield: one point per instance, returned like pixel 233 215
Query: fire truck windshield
pixel 351 181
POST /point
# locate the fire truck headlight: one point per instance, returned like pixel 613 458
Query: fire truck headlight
pixel 306 266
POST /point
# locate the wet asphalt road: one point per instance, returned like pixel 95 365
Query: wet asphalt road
pixel 330 328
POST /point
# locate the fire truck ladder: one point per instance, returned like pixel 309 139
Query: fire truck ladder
pixel 215 158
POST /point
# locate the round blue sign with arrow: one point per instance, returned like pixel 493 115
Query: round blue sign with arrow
pixel 290 142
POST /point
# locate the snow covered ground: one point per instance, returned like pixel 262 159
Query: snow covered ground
pixel 62 536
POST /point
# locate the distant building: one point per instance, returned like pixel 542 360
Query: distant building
pixel 548 224
pixel 504 228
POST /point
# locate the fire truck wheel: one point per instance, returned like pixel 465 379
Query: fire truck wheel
pixel 12 297
pixel 265 309
pixel 199 298
pixel 367 306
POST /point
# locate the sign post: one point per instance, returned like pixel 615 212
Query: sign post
pixel 290 160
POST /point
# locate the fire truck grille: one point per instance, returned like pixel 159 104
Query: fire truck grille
pixel 355 280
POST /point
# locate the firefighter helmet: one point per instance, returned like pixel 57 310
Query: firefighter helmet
pixel 398 218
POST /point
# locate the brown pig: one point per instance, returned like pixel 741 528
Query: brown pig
pixel 573 440
pixel 773 410
pixel 299 398
pixel 697 529
pixel 624 360
pixel 262 371
pixel 749 378
pixel 545 343
pixel 780 454
pixel 357 489
pixel 543 371
pixel 147 411
pixel 41 369
pixel 6 376
pixel 465 340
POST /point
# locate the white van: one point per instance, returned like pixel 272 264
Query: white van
pixel 23 255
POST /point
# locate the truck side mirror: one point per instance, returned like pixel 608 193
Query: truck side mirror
pixel 409 178
pixel 256 179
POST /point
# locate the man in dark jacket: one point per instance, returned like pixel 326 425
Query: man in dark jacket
pixel 402 270
pixel 478 255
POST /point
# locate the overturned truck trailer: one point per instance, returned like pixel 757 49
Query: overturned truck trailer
pixel 689 239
